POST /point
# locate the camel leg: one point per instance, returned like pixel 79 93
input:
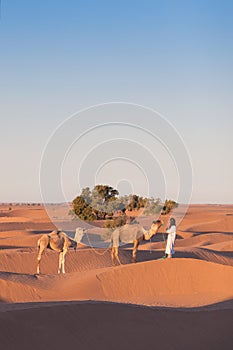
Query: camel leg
pixel 41 249
pixel 63 261
pixel 60 262
pixel 116 255
pixel 112 256
pixel 134 253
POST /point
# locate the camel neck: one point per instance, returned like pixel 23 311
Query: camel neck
pixel 147 235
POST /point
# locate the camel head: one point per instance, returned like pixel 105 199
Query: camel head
pixel 79 232
pixel 157 224
pixel 154 229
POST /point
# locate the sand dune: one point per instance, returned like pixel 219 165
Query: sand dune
pixel 177 282
pixel 28 288
pixel 14 219
pixel 23 260
pixel 222 246
pixel 200 276
pixel 114 326
pixel 202 240
pixel 36 214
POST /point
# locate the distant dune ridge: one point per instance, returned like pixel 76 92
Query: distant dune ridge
pixel 188 298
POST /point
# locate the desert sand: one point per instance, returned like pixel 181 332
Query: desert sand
pixel 180 303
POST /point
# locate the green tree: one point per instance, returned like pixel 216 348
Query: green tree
pixel 136 202
pixel 95 204
pixel 86 195
pixel 82 209
pixel 105 193
pixel 102 198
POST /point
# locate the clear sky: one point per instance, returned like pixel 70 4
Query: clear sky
pixel 175 56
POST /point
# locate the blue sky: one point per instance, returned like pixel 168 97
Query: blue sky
pixel 60 56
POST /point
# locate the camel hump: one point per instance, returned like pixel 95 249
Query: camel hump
pixel 130 233
pixel 54 233
pixel 56 240
pixel 127 234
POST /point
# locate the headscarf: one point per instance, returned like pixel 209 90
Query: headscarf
pixel 172 222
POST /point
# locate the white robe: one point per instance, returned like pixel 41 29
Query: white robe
pixel 171 240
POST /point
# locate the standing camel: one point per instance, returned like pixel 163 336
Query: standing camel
pixel 60 242
pixel 131 234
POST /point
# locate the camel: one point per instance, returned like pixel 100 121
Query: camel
pixel 131 234
pixel 60 242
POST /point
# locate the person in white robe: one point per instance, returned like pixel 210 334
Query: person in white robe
pixel 171 236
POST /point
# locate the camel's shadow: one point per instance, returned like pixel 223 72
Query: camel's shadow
pixel 40 232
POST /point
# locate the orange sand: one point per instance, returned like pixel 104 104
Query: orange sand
pixel 200 276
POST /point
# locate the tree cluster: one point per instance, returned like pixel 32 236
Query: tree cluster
pixel 103 201
pixel 97 204
pixel 168 206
